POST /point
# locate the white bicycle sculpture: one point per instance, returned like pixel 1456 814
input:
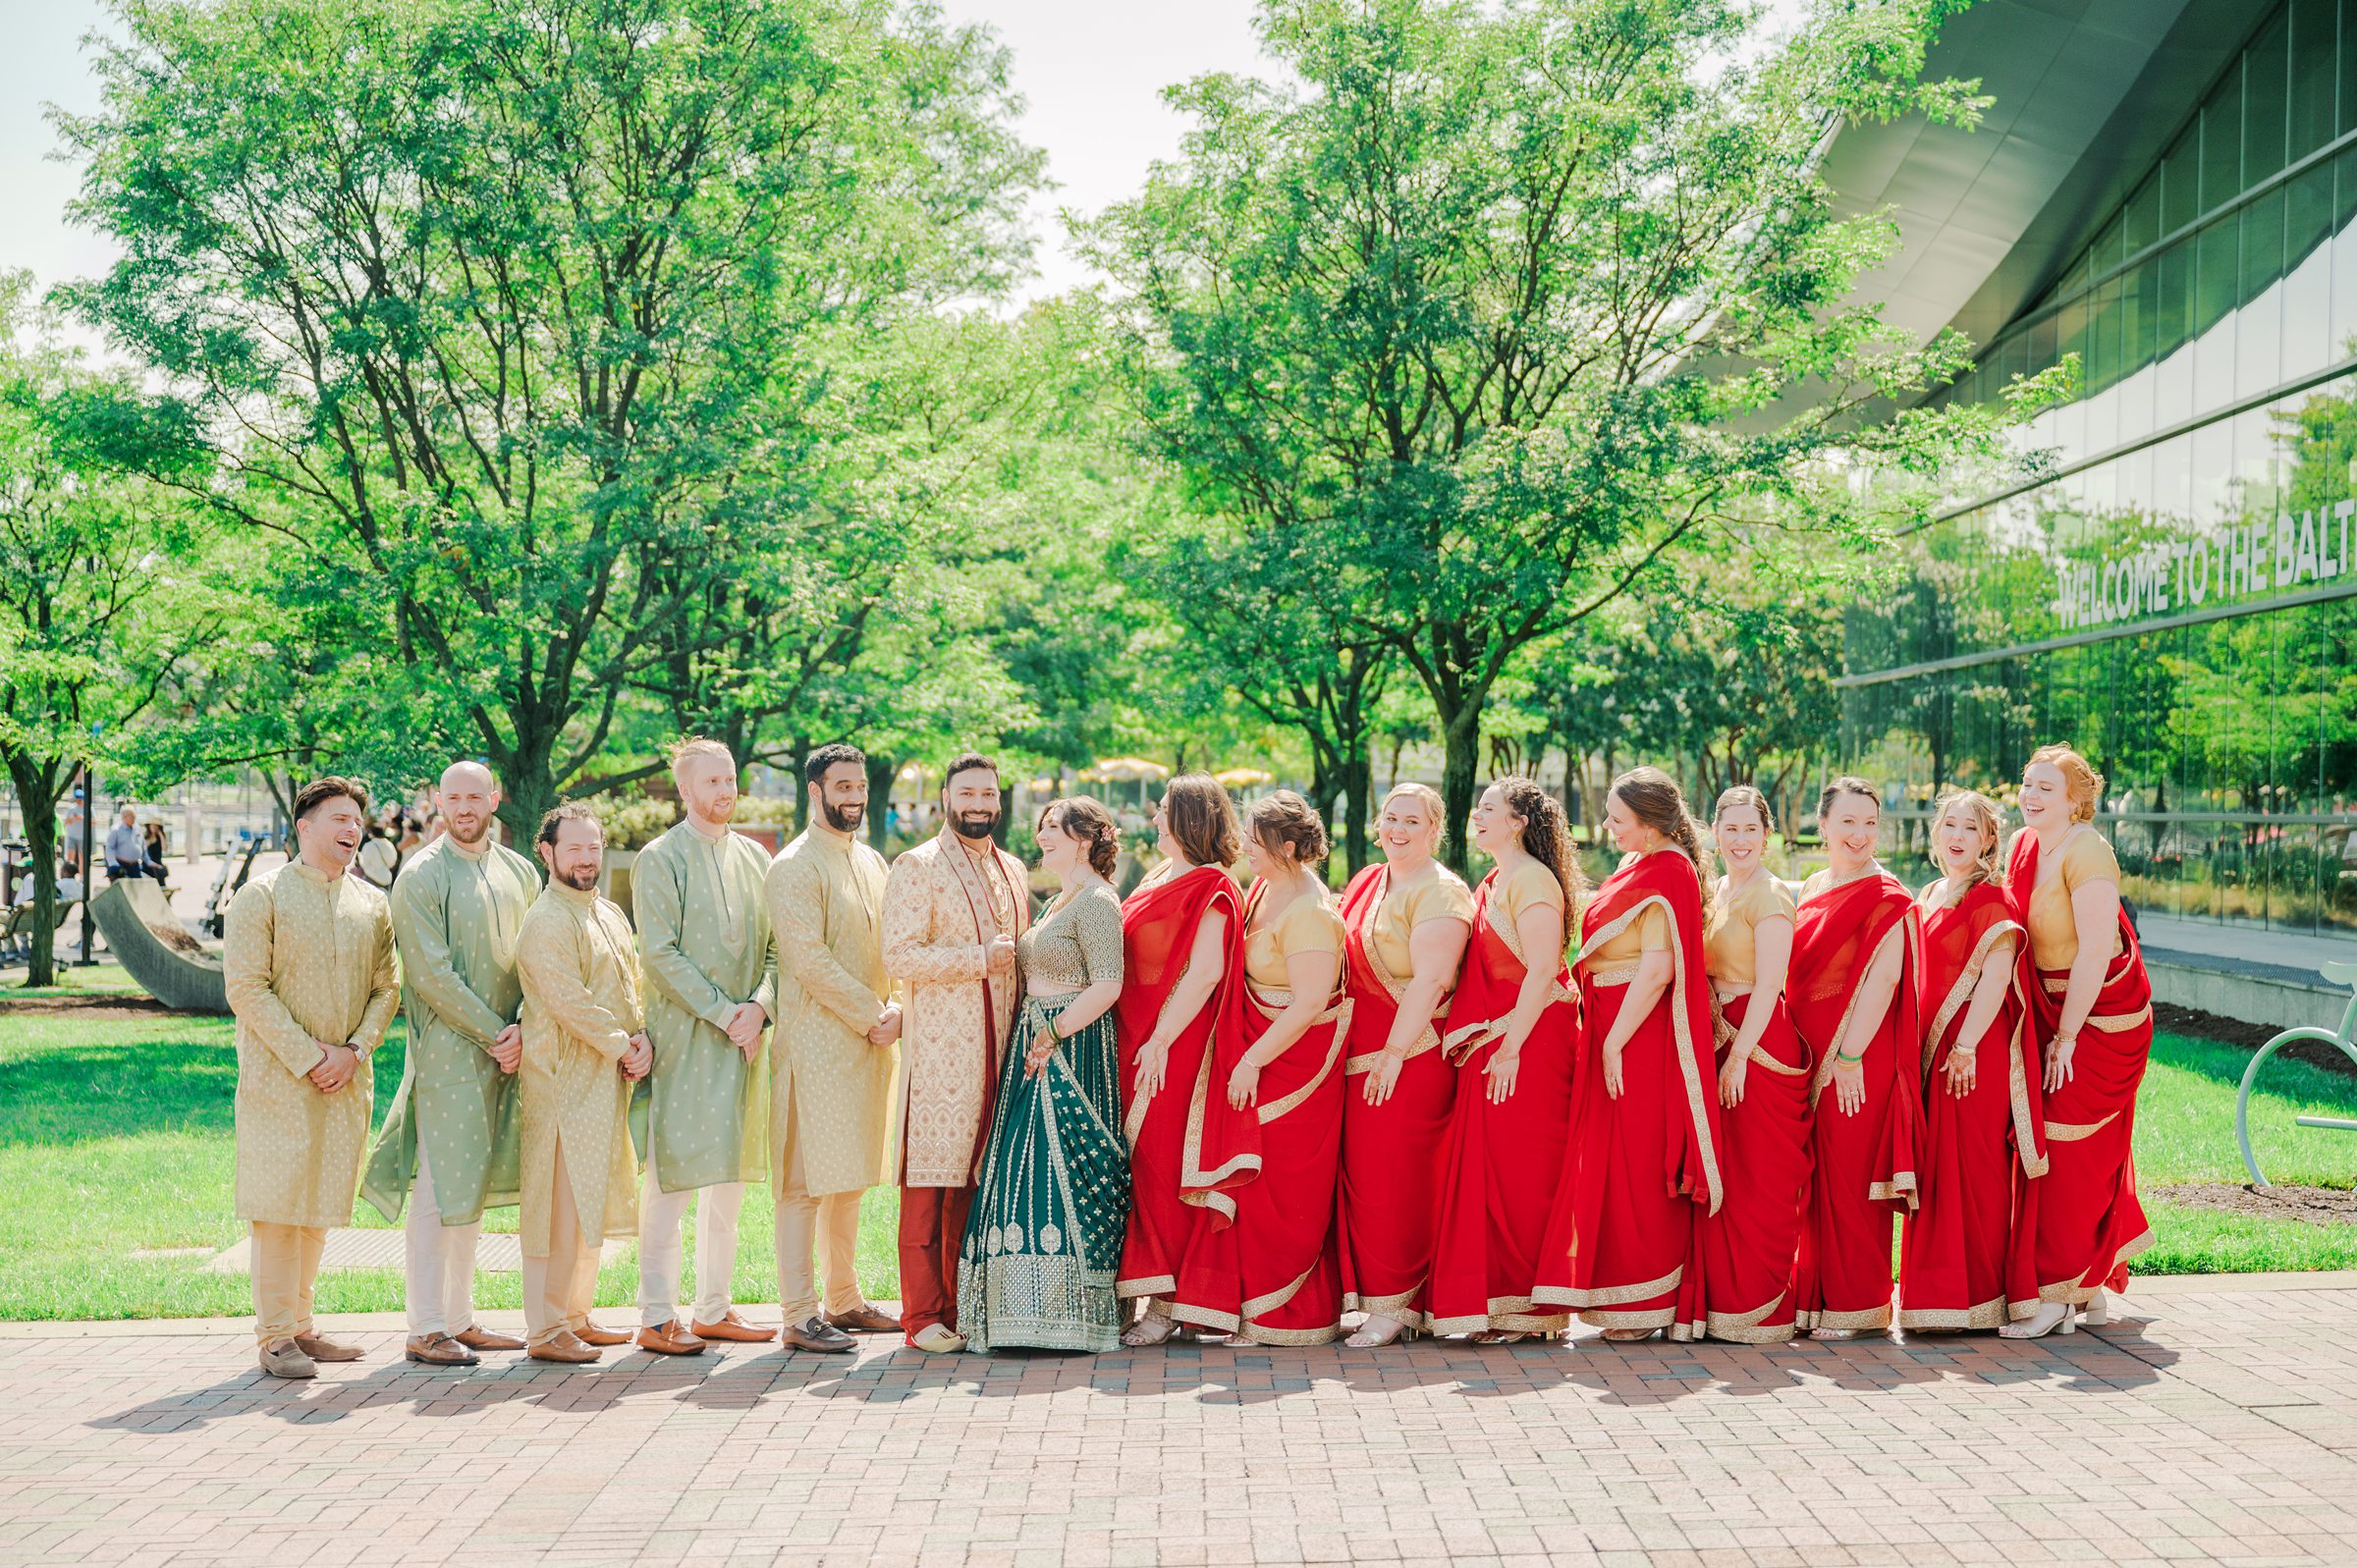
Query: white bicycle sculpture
pixel 2339 974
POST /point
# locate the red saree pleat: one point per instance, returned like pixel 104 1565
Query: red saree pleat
pixel 1159 922
pixel 1274 1275
pixel 2089 1219
pixel 1749 1247
pixel 1501 1162
pixel 1966 1256
pixel 1384 1204
pixel 1865 1161
pixel 1641 1170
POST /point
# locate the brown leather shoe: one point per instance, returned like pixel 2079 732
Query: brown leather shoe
pixel 814 1333
pixel 865 1321
pixel 288 1361
pixel 591 1334
pixel 733 1327
pixel 321 1349
pixel 477 1337
pixel 440 1350
pixel 670 1339
pixel 564 1347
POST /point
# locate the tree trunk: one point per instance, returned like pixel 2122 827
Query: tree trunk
pixel 37 793
pixel 1358 789
pixel 1460 761
pixel 881 772
pixel 801 792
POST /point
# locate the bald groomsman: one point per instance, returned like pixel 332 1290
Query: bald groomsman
pixel 584 1044
pixel 705 950
pixel 836 1058
pixel 952 910
pixel 457 907
pixel 308 967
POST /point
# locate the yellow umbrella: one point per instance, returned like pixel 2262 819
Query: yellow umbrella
pixel 1125 770
pixel 1244 778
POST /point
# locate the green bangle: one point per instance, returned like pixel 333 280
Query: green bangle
pixel 1842 1056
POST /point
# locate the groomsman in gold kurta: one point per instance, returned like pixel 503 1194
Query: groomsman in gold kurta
pixel 952 910
pixel 584 1044
pixel 308 966
pixel 836 1055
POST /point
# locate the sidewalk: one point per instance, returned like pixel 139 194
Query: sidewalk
pixel 2214 1421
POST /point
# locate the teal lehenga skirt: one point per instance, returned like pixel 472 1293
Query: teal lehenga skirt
pixel 1044 1238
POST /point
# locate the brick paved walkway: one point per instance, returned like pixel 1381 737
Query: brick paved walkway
pixel 2216 1422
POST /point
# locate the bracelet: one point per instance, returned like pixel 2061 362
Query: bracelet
pixel 1839 1056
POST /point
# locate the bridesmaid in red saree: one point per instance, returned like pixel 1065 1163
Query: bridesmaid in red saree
pixel 2091 1012
pixel 1641 1170
pixel 1750 1245
pixel 1853 1000
pixel 1174 936
pixel 1512 1034
pixel 1407 923
pixel 1268 1273
pixel 1964 1253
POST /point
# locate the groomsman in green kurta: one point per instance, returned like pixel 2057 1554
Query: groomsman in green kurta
pixel 705 951
pixel 455 909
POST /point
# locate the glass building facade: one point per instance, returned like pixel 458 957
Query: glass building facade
pixel 2177 595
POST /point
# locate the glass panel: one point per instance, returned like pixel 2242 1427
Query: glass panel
pixel 2222 141
pixel 2263 79
pixel 2103 336
pixel 2347 120
pixel 2259 327
pixel 2140 220
pixel 2308 267
pixel 2315 25
pixel 2180 177
pixel 2344 254
pixel 2039 341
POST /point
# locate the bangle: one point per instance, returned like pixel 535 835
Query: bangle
pixel 1843 1056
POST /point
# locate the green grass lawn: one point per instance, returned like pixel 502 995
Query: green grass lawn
pixel 116 1139
pixel 101 979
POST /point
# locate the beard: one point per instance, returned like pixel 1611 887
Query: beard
pixel 975 825
pixel 843 819
pixel 470 834
pixel 582 881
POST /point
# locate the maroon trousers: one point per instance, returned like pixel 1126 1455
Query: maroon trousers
pixel 932 1223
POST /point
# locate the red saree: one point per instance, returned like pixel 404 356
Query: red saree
pixel 1640 1170
pixel 1499 1166
pixel 1391 1164
pixel 1750 1245
pixel 1865 1162
pixel 2089 1220
pixel 1271 1275
pixel 1159 922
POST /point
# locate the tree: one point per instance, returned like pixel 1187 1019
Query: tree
pixel 1499 301
pixel 97 602
pixel 487 311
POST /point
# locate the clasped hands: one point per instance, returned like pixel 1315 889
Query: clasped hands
pixel 998 954
pixel 744 1027
pixel 335 1067
pixel 639 1059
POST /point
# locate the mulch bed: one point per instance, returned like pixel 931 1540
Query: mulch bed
pixel 108 1005
pixel 2315 1205
pixel 2249 1036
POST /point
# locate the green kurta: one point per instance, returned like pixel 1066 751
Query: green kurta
pixel 455 918
pixel 704 948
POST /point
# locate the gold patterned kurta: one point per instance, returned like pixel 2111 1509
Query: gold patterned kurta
pixel 580 1007
pixel 941 907
pixel 704 947
pixel 456 913
pixel 826 895
pixel 309 961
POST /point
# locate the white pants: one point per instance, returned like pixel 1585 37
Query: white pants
pixel 659 1249
pixel 441 1260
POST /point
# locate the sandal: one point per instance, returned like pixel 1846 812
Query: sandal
pixel 1370 1337
pixel 1152 1328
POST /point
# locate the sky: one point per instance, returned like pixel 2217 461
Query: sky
pixel 1092 72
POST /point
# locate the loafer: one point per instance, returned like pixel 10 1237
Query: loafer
pixel 590 1333
pixel 476 1337
pixel 439 1351
pixel 288 1361
pixel 733 1328
pixel 815 1333
pixel 670 1339
pixel 864 1320
pixel 321 1349
pixel 565 1347
pixel 938 1339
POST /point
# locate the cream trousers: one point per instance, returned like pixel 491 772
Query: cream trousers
pixel 286 1264
pixel 560 1288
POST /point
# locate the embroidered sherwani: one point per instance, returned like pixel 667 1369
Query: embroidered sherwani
pixel 942 906
pixel 580 1007
pixel 830 1102
pixel 307 962
pixel 704 950
pixel 456 914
